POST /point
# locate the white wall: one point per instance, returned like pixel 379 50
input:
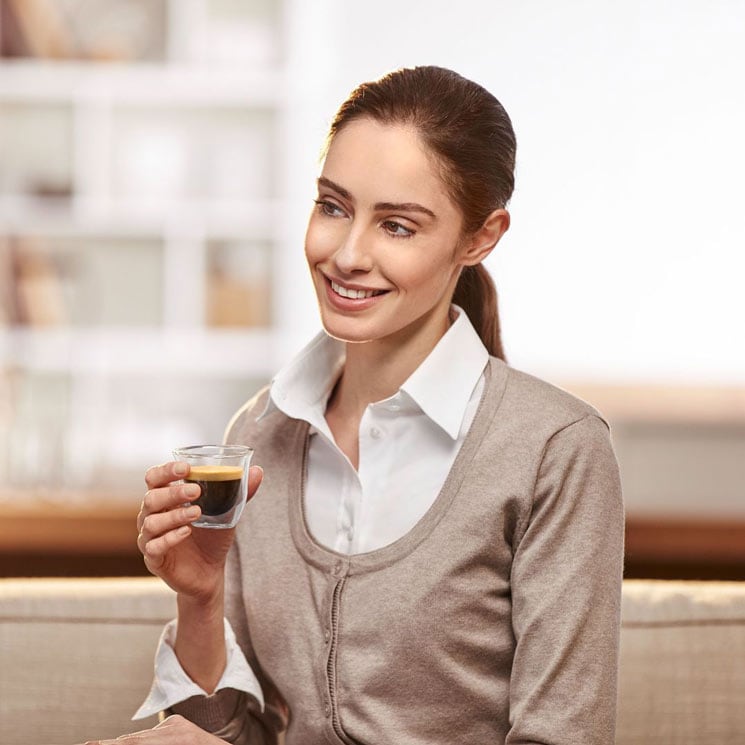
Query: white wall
pixel 626 256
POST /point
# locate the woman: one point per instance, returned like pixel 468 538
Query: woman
pixel 435 553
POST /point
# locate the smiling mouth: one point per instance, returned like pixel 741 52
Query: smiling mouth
pixel 354 294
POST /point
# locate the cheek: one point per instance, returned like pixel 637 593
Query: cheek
pixel 311 240
pixel 321 239
pixel 424 275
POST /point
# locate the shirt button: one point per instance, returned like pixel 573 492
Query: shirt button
pixel 337 567
pixel 327 636
pixel 375 433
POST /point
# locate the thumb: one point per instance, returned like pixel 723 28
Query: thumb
pixel 255 477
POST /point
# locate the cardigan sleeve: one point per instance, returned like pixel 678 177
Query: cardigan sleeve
pixel 566 594
pixel 230 714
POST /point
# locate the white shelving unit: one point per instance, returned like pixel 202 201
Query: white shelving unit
pixel 178 155
pixel 125 351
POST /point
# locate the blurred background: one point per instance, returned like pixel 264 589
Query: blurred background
pixel 157 165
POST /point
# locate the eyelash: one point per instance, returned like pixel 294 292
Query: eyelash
pixel 397 225
pixel 329 209
pixel 325 206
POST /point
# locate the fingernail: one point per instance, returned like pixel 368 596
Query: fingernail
pixel 180 469
pixel 192 512
pixel 190 491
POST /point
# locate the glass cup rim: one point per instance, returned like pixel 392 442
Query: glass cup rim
pixel 213 451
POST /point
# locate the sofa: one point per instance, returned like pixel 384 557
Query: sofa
pixel 76 659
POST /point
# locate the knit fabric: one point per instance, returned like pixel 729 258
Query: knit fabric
pixel 494 620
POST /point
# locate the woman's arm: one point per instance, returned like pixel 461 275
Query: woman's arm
pixel 192 561
pixel 566 591
pixel 200 638
pixel 231 714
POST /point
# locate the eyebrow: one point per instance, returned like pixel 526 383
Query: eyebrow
pixel 379 206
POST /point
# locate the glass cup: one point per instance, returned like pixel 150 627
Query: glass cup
pixel 222 474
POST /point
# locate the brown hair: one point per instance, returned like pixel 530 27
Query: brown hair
pixel 471 134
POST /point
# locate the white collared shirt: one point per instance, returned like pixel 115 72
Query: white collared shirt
pixel 407 445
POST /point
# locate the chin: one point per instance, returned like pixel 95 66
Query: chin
pixel 348 335
pixel 351 330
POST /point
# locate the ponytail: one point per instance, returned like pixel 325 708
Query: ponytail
pixel 477 295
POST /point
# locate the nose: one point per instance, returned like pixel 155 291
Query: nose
pixel 354 254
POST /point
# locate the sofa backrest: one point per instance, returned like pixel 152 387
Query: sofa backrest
pixel 682 673
pixel 76 656
pixel 76 660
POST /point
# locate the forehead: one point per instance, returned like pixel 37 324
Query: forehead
pixel 386 162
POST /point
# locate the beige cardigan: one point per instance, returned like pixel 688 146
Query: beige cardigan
pixel 494 620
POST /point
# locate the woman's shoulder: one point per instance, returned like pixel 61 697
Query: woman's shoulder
pixel 536 403
pixel 260 424
pixel 244 424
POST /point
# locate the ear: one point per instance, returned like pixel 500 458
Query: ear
pixel 479 245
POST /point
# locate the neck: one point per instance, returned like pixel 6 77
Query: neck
pixel 376 370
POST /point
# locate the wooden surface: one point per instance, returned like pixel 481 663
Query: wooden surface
pixel 109 529
pixel 665 404
pixel 81 528
pixel 667 540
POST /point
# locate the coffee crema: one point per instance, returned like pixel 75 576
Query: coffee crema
pixel 220 485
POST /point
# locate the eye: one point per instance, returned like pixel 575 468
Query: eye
pixel 329 208
pixel 397 230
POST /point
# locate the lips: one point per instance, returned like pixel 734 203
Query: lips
pixel 345 297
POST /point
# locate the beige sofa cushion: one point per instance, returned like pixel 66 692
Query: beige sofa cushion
pixel 76 656
pixel 76 660
pixel 682 677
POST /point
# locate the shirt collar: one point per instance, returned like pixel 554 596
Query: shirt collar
pixel 301 388
pixel 441 386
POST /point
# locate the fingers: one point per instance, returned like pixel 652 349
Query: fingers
pixel 164 474
pixel 175 730
pixel 160 524
pixel 143 736
pixel 163 520
pixel 166 498
pixel 255 477
pixel 162 494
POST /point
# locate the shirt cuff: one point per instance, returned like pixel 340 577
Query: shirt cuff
pixel 172 685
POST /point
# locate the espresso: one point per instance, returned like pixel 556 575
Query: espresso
pixel 220 485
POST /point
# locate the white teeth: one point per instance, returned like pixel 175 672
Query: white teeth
pixel 354 294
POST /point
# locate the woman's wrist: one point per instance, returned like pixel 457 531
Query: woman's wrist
pixel 205 603
pixel 200 637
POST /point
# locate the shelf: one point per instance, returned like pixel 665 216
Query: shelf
pixel 141 84
pixel 26 215
pixel 152 352
pixel 143 203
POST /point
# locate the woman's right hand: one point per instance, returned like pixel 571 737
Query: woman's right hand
pixel 189 560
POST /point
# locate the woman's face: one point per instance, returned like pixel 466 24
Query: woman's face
pixel 383 240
